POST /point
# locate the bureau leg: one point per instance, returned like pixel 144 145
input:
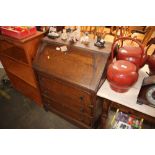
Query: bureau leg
pixel 46 108
pixel 105 111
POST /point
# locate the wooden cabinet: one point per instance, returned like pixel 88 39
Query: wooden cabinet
pixel 69 80
pixel 16 57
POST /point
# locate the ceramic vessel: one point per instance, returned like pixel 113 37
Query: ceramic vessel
pixel 85 39
pixel 52 33
pixel 121 74
pixel 133 54
pixel 64 35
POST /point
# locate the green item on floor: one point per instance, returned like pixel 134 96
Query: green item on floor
pixel 4 94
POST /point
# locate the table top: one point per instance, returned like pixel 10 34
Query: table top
pixel 11 39
pixel 128 99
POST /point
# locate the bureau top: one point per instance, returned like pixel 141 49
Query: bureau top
pixel 90 46
pixel 80 65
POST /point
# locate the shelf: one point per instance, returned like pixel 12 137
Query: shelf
pixel 21 71
pixel 16 60
pixel 17 54
pixel 25 88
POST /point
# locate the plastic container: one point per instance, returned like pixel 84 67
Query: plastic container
pixel 123 120
pixel 6 30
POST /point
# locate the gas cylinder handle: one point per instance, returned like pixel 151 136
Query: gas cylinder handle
pixel 126 38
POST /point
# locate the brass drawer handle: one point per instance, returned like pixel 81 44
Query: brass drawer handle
pixel 81 109
pixel 91 106
pixel 81 98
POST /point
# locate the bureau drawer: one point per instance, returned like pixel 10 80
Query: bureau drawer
pixel 61 108
pixel 62 89
pixel 68 102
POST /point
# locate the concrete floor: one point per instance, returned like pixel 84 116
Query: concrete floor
pixel 19 112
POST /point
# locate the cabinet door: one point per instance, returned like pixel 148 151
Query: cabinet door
pixel 25 88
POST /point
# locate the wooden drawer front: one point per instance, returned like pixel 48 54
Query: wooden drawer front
pixel 25 88
pixel 62 89
pixel 16 53
pixel 68 102
pixel 50 104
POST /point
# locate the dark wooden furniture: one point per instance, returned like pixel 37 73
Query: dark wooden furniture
pixel 16 57
pixel 70 80
pixel 107 105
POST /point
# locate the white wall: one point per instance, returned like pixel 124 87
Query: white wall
pixel 1 65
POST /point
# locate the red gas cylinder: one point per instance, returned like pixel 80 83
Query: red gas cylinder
pixel 133 54
pixel 121 74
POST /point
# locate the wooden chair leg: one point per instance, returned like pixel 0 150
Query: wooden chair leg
pixel 105 112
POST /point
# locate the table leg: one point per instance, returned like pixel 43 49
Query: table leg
pixel 105 111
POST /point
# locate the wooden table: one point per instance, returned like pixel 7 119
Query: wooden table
pixel 126 102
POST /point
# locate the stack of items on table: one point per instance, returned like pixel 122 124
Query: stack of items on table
pixel 126 121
